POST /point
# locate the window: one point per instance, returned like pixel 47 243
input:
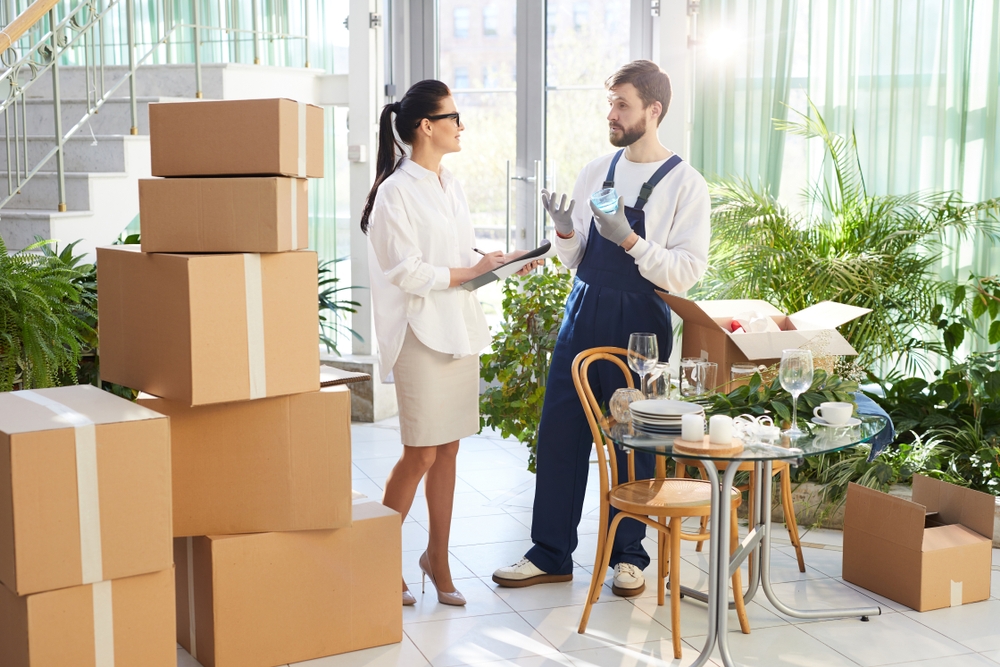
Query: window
pixel 551 11
pixel 490 17
pixel 581 12
pixel 462 77
pixel 461 17
pixel 490 77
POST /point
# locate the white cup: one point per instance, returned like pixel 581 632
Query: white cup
pixel 833 412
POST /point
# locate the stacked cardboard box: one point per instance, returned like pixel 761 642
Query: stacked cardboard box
pixel 85 517
pixel 215 319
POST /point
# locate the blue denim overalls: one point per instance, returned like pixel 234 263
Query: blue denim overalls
pixel 609 301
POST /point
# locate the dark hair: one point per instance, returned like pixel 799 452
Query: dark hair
pixel 651 82
pixel 421 100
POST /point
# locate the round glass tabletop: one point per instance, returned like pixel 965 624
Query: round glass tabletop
pixel 817 440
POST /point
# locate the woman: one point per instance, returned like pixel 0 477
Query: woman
pixel 430 330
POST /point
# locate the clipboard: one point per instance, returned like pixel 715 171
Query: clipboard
pixel 543 251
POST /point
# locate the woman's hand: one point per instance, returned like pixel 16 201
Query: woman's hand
pixel 490 261
pixel 527 268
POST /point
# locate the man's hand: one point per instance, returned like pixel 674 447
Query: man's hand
pixel 612 226
pixel 562 215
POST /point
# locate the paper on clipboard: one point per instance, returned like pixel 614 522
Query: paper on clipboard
pixel 504 271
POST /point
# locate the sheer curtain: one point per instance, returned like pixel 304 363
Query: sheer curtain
pixel 917 80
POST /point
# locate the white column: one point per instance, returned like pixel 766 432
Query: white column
pixel 531 33
pixel 414 43
pixel 365 99
pixel 676 58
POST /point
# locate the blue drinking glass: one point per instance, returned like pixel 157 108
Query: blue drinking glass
pixel 606 199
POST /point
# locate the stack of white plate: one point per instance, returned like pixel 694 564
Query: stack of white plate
pixel 662 417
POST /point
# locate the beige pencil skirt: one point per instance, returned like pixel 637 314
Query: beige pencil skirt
pixel 438 394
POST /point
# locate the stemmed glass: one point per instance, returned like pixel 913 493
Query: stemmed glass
pixel 796 375
pixel 643 355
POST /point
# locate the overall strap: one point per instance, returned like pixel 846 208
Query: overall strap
pixel 609 182
pixel 647 187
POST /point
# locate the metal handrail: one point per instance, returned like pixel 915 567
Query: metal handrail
pixel 85 36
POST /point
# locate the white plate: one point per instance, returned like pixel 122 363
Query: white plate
pixel 662 408
pixel 853 421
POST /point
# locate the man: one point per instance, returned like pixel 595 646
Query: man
pixel 657 239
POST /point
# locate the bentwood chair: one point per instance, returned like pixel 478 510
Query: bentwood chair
pixel 779 467
pixel 667 500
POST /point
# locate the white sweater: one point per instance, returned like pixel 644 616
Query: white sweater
pixel 674 254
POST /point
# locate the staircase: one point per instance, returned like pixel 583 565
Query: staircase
pixel 102 161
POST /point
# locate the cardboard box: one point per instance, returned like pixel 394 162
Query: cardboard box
pixel 277 598
pixel 84 489
pixel 269 137
pixel 928 553
pixel 250 214
pixel 209 328
pixel 126 623
pixel 277 464
pixel 707 333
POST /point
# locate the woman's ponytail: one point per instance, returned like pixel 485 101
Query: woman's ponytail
pixel 385 160
pixel 421 100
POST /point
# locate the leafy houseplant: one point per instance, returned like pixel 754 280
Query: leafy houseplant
pixel 518 364
pixel 330 302
pixel 874 251
pixel 45 321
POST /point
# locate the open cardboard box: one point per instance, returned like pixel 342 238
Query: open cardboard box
pixel 928 553
pixel 707 334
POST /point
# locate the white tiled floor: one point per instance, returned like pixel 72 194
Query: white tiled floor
pixel 536 627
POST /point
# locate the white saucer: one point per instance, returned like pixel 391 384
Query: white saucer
pixel 853 421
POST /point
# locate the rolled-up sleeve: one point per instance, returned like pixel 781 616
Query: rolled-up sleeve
pixel 399 256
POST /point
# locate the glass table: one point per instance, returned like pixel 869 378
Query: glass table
pixel 817 440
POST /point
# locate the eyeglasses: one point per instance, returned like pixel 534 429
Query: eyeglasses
pixel 440 116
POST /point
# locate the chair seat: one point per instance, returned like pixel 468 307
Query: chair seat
pixel 665 497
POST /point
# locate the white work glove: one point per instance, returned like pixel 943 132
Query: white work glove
pixel 562 215
pixel 612 226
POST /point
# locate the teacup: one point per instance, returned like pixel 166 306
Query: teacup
pixel 834 413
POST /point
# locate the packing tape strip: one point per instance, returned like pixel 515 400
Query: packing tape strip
pixel 302 139
pixel 295 213
pixel 956 593
pixel 192 627
pixel 104 625
pixel 87 494
pixel 255 325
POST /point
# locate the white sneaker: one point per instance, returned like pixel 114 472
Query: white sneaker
pixel 525 573
pixel 629 580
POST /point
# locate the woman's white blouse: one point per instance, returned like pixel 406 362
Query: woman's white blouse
pixel 420 228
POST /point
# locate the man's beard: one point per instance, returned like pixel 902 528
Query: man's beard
pixel 629 135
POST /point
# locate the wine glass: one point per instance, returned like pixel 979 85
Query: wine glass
pixel 796 375
pixel 643 355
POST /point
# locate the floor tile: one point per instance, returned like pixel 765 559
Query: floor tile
pixel 651 654
pixel 615 622
pixel 884 602
pixel 546 596
pixel 184 659
pixel 484 559
pixel 500 527
pixel 694 616
pixel 499 479
pixel 482 600
pixel 824 561
pixel 996 557
pixel 377 468
pixel 404 654
pixel 992 655
pixel 822 536
pixel 966 660
pixel 975 625
pixel 553 660
pixel 883 640
pixel 414 537
pixel 370 489
pixel 488 456
pixel 411 570
pixel 784 566
pixel 466 504
pixel 467 641
pixel 816 594
pixel 782 646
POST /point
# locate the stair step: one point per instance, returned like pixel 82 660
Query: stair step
pixel 99 153
pixel 150 81
pixel 114 116
pixel 22 227
pixel 41 193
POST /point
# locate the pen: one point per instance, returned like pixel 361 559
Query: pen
pixel 480 251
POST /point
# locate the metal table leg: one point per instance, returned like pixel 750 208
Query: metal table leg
pixel 713 568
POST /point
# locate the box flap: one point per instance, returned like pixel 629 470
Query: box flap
pixel 948 537
pixel 956 504
pixel 733 307
pixel 769 345
pixel 20 415
pixel 826 315
pixel 897 520
pixel 688 310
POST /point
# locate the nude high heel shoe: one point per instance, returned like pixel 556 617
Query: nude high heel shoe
pixel 455 598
